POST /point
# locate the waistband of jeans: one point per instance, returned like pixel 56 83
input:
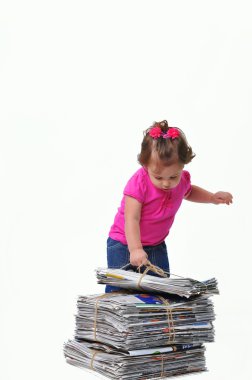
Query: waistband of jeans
pixel 154 246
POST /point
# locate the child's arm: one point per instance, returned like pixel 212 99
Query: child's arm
pixel 132 216
pixel 203 196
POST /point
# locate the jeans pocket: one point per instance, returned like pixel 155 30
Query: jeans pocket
pixel 111 243
pixel 117 256
pixel 159 257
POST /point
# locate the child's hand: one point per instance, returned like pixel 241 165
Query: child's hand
pixel 222 197
pixel 138 257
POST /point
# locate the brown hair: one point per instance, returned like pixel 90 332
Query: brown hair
pixel 167 150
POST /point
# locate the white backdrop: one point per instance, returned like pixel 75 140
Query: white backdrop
pixel 80 81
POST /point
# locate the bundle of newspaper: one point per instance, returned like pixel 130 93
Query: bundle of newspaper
pixel 131 322
pixel 120 365
pixel 184 287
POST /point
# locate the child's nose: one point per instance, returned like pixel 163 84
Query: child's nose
pixel 166 184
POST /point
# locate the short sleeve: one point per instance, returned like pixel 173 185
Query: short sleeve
pixel 187 183
pixel 136 187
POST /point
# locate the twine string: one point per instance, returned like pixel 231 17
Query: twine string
pixel 162 366
pixel 171 330
pixel 149 266
pixel 96 307
pixel 95 352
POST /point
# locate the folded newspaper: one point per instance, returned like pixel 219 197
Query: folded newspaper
pixel 153 328
pixel 119 365
pixel 132 322
pixel 184 287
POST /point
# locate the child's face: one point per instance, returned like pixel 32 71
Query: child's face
pixel 165 177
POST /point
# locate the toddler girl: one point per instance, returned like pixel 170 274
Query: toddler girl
pixel 152 198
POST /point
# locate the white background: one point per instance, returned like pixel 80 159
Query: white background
pixel 80 81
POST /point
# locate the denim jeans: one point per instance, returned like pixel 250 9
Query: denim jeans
pixel 118 256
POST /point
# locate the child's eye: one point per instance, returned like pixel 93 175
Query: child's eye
pixel 158 178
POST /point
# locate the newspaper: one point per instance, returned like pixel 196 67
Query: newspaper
pixel 119 365
pixel 135 321
pixel 184 287
pixel 153 328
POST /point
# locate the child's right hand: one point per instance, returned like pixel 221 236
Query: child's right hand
pixel 138 257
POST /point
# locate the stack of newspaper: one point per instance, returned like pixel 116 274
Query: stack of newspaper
pixel 184 287
pixel 132 335
pixel 138 321
pixel 120 365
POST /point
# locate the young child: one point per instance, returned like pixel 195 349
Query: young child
pixel 152 198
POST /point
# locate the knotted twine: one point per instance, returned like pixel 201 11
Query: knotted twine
pixel 153 268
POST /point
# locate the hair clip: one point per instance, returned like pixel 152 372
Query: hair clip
pixel 156 132
pixel 172 133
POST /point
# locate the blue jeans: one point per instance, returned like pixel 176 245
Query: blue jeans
pixel 118 256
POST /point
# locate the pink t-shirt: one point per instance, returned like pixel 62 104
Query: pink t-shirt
pixel 159 207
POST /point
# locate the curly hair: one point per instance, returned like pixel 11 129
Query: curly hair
pixel 167 150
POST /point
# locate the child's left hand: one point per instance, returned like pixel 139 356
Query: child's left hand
pixel 222 197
